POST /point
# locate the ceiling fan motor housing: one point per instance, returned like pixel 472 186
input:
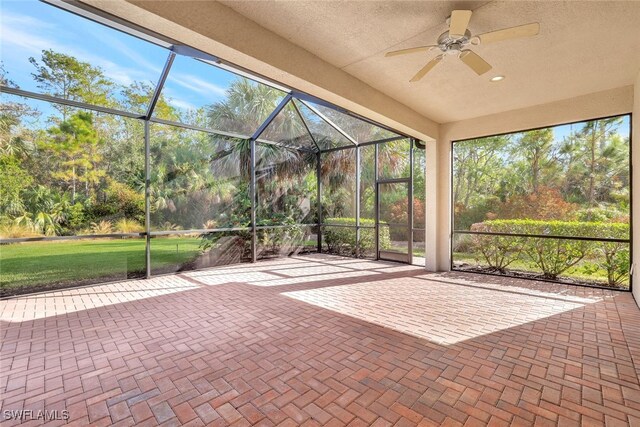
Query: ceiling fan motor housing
pixel 453 45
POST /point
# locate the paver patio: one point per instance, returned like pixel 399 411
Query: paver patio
pixel 323 340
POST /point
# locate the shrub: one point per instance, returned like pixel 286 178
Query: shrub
pixel 209 241
pixel 120 200
pixel 210 224
pixel 463 243
pixel 466 216
pixel 602 214
pixel 399 211
pixel 342 240
pixel 616 261
pixel 282 240
pixel 41 223
pixel 129 226
pixel 554 256
pixel 545 204
pixel 498 251
pixel 14 231
pixel 615 256
pixel 168 226
pixel 76 217
pixel 15 179
pixel 102 227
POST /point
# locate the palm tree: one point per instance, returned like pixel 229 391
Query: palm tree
pixel 15 139
pixel 246 106
pixel 45 211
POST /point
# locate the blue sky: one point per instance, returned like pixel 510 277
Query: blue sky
pixel 30 26
pixel 562 131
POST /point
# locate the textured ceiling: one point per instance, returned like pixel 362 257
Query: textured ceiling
pixel 583 47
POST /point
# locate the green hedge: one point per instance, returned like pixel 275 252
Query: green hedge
pixel 342 240
pixel 554 256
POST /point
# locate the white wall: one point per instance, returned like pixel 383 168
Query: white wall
pixel 612 102
pixel 635 138
pixel 431 203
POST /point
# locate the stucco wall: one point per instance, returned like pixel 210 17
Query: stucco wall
pixel 612 102
pixel 635 125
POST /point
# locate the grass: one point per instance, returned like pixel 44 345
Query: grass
pixel 36 264
pixel 33 266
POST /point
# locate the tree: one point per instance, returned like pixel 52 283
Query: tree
pixel 15 180
pixel 137 96
pixel 245 107
pixel 419 187
pixel 538 160
pixel 15 140
pixel 544 204
pixel 76 143
pixel 66 77
pixel 601 161
pixel 45 210
pixel 478 170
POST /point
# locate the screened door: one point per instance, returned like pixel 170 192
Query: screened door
pixel 394 225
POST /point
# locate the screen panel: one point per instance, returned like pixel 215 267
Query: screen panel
pixel 565 188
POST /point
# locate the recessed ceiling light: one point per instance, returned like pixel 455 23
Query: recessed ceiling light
pixel 496 78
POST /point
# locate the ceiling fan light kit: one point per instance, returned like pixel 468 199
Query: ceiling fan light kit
pixel 458 40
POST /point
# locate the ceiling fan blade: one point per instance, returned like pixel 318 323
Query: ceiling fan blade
pixel 473 61
pixel 424 70
pixel 527 30
pixel 459 22
pixel 410 50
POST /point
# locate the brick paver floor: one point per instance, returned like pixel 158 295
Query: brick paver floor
pixel 321 340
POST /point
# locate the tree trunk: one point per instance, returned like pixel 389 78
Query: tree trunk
pixel 73 185
pixel 535 170
pixel 592 170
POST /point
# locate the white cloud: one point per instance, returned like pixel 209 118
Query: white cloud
pixel 28 42
pixel 8 18
pixel 130 53
pixel 196 84
pixel 40 35
pixel 182 104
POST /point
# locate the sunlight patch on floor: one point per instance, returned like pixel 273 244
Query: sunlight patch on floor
pixel 439 312
pixel 55 303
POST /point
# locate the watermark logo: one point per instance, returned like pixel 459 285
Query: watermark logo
pixel 39 414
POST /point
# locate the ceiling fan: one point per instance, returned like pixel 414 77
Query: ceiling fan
pixel 458 39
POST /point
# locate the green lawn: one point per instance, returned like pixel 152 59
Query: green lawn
pixel 33 266
pixel 36 264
